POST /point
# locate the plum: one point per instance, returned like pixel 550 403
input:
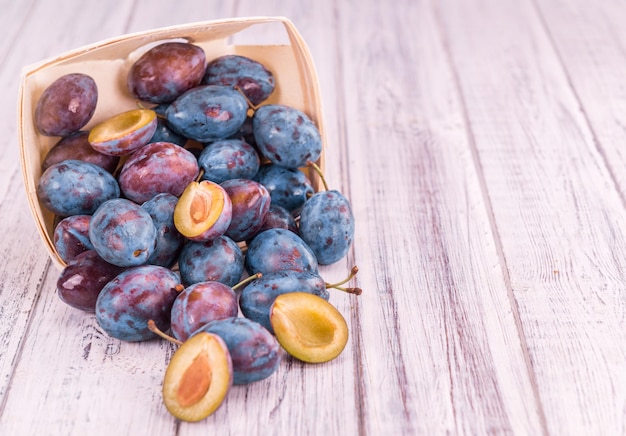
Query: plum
pixel 123 233
pixel 308 327
pixel 159 167
pixel 277 250
pixel 207 113
pixel 135 296
pixel 203 211
pixel 76 146
pixel 286 136
pixel 123 133
pixel 250 202
pixel 165 71
pixel 219 259
pixel 254 351
pixel 66 105
pixel 254 80
pixel 327 226
pixel 257 297
pixel 198 377
pixel 199 304
pixel 289 188
pixel 169 241
pixel 228 159
pixel 81 281
pixel 71 236
pixel 75 187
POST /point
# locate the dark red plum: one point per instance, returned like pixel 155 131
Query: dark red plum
pixel 166 71
pixel 200 304
pixel 123 233
pixel 218 259
pixel 257 297
pixel 254 351
pixel 327 226
pixel 228 159
pixel 75 187
pixel 250 202
pixel 251 77
pixel 135 296
pixel 169 240
pixel 286 136
pixel 160 167
pixel 289 188
pixel 77 147
pixel 67 105
pixel 71 236
pixel 278 250
pixel 207 113
pixel 81 281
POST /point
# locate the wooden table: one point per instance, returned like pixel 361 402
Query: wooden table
pixel 483 147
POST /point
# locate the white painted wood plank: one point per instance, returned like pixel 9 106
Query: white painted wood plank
pixel 437 309
pixel 558 215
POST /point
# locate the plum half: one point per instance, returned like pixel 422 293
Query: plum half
pixel 198 377
pixel 308 327
pixel 203 211
pixel 124 133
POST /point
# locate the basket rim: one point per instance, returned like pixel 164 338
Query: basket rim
pixel 52 60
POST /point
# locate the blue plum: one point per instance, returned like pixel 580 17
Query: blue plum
pixel 169 240
pixel 251 77
pixel 228 159
pixel 159 167
pixel 327 226
pixel 286 136
pixel 66 105
pixel 257 297
pixel 123 233
pixel 289 188
pixel 277 250
pixel 135 296
pixel 250 202
pixel 71 236
pixel 165 71
pixel 199 304
pixel 75 187
pixel 254 351
pixel 219 260
pixel 207 113
pixel 278 217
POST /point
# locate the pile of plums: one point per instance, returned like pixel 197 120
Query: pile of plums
pixel 192 214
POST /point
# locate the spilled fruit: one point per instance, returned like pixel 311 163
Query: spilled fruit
pixel 198 377
pixel 308 327
pixel 161 211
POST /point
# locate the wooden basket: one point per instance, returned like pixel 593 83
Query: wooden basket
pixel 108 63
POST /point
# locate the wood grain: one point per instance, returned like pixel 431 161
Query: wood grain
pixel 480 143
pixel 555 208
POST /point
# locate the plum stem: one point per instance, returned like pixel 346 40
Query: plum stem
pixel 200 175
pixel 154 329
pixel 355 291
pixel 319 172
pixel 248 280
pixel 250 104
